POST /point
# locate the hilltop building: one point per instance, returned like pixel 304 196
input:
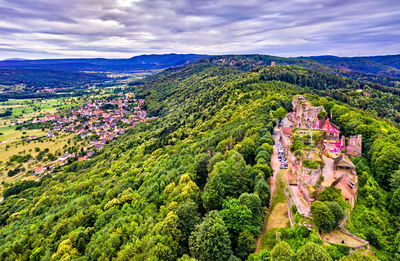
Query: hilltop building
pixel 332 131
pixel 344 164
pixel 337 171
pixel 354 148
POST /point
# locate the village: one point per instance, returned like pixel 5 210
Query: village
pixel 101 120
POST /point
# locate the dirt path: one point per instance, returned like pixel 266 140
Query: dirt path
pixel 275 164
pixel 328 171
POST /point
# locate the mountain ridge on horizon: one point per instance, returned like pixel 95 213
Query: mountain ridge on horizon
pixel 141 62
pixel 384 69
pixel 196 54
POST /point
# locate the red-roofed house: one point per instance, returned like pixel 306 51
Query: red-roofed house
pixel 286 130
pixel 39 170
pixel 332 131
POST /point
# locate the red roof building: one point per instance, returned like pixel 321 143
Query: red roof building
pixel 286 130
pixel 331 129
pixel 39 170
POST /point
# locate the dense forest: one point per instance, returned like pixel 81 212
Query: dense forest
pixel 382 100
pixel 380 65
pixel 191 184
pixel 38 79
pixel 351 71
pixel 133 64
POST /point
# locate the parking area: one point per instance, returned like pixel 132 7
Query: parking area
pixel 282 156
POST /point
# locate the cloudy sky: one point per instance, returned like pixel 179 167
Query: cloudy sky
pixel 124 28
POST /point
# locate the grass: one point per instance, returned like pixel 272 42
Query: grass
pixel 336 236
pixel 269 239
pixel 277 216
pixel 279 194
pixel 10 134
pixel 16 148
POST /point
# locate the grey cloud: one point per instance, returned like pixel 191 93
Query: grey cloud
pixel 120 28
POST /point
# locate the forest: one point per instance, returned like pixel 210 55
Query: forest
pixel 191 184
pixel 38 79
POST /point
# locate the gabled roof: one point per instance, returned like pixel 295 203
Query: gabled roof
pixel 39 169
pixel 337 181
pixel 343 160
pixel 325 122
pixel 286 130
pixel 346 184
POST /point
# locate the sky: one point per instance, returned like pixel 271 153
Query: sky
pixel 35 29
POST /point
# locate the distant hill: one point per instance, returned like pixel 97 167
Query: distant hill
pixel 354 68
pixel 388 65
pixel 136 63
pixel 384 70
pixel 39 78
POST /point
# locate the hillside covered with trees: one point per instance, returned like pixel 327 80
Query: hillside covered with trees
pixel 37 79
pixel 191 184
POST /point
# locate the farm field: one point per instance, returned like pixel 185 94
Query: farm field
pixel 26 106
pixel 27 109
pixel 11 134
pixel 54 145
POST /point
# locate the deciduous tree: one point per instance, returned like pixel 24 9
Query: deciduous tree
pixel 210 239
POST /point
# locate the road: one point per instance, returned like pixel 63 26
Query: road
pixel 275 163
pixel 276 166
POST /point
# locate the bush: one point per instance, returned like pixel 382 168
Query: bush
pixel 310 164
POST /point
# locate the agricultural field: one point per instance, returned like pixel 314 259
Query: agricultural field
pixel 14 141
pixel 27 109
pixel 54 146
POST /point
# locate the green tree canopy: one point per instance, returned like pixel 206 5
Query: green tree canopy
pixel 312 252
pixel 322 216
pixel 253 202
pixel 246 244
pixel 337 212
pixel 282 252
pixel 237 217
pixel 228 178
pixel 357 256
pixel 279 113
pixel 210 239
